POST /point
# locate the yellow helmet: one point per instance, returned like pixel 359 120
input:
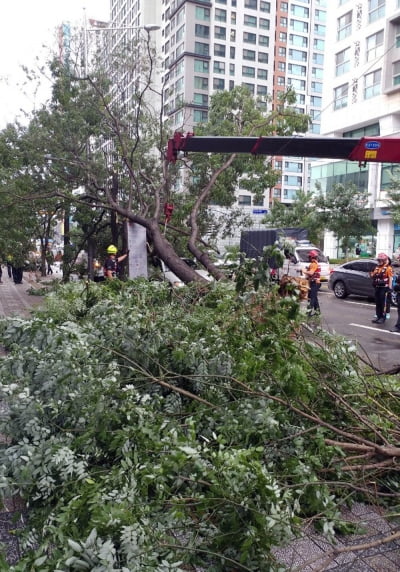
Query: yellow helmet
pixel 112 249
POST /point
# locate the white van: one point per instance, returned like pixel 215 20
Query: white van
pixel 299 261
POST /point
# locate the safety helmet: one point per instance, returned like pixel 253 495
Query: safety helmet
pixel 381 256
pixel 112 249
pixel 313 254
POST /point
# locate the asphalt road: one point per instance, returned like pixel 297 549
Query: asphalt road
pixel 352 318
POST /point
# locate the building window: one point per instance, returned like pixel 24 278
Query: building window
pixel 263 23
pixel 343 61
pixel 232 35
pixel 376 10
pixel 293 166
pixel 200 99
pixel 344 26
pixel 219 67
pixel 316 101
pixel 283 22
pixel 263 57
pixel 341 94
pixel 249 55
pixel 200 116
pixel 317 73
pixel 218 84
pixel 396 73
pixel 201 66
pixel 219 50
pixel 318 59
pixel 281 66
pixel 231 69
pixel 202 13
pixel 316 86
pixel 262 90
pixel 244 200
pixel 258 202
pixel 201 31
pixel 249 86
pixel 375 46
pixel 231 84
pixel 282 36
pixel 232 52
pixel 293 180
pixel 201 49
pixel 200 82
pixel 280 80
pixel 262 74
pixel 372 84
pixel 319 45
pixel 220 33
pixel 320 15
pixel 233 18
pixel 296 69
pixel 284 7
pixel 263 40
pixel 298 55
pixel 220 15
pixel 248 71
pixel 250 21
pixel 397 34
pixel 282 52
pixel 319 30
pixel 299 26
pixel 296 40
pixel 300 98
pixel 265 7
pixel 299 11
pixel 251 4
pixel 299 84
pixel 249 38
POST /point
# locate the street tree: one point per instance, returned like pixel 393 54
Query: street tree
pixel 343 209
pixel 113 149
pixel 300 213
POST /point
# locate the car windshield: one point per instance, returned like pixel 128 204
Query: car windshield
pixel 302 255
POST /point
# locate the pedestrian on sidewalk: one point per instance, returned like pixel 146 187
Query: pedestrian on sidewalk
pixel 49 261
pixel 9 265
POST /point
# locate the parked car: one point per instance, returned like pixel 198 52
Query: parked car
pixel 353 278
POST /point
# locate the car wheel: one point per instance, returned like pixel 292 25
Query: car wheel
pixel 339 289
pixel 393 298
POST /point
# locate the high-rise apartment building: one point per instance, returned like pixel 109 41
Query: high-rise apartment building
pixel 266 46
pixel 362 97
pixel 207 46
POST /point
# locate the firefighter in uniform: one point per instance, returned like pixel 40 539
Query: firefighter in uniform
pixel 313 274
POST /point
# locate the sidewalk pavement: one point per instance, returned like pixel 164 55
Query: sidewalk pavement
pixel 309 553
pixel 14 298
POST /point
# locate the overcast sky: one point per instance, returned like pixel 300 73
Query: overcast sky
pixel 27 25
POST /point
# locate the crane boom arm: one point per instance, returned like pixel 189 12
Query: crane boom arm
pixel 366 149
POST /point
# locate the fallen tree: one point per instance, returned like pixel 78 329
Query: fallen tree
pixel 183 429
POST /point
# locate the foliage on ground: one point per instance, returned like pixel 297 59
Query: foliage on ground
pixel 159 429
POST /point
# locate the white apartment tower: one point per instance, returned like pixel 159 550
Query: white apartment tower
pixel 362 97
pixel 263 45
pixel 208 46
